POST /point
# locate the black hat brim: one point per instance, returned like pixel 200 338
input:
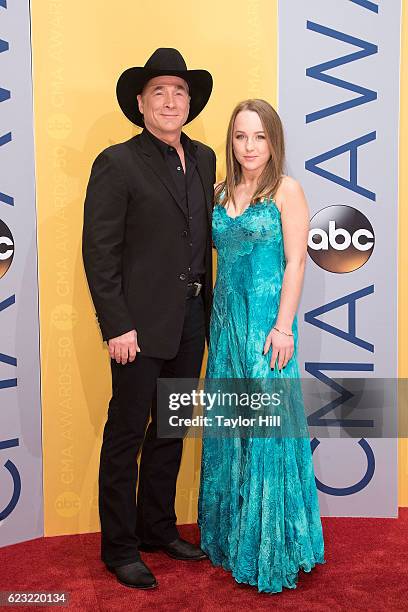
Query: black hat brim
pixel 132 81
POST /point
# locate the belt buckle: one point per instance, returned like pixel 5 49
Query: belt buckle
pixel 198 287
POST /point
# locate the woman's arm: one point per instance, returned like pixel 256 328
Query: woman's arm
pixel 295 225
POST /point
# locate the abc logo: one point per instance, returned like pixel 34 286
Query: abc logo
pixel 341 239
pixel 59 126
pixel 68 504
pixel 6 248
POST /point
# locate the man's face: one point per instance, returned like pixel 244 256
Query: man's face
pixel 165 104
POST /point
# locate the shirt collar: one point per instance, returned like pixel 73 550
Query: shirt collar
pixel 188 145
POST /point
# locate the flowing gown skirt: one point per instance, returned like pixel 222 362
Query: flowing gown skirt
pixel 258 506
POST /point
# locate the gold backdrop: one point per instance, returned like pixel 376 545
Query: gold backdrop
pixel 79 49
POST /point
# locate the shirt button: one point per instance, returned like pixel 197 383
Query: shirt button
pixel 191 244
pixel 182 277
pixel 190 218
pixel 184 234
pixel 178 167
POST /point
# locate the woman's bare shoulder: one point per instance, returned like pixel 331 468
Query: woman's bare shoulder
pixel 289 193
pixel 289 185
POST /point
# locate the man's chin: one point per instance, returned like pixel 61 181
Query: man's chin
pixel 170 126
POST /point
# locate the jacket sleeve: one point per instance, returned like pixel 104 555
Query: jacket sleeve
pixel 102 245
pixel 214 167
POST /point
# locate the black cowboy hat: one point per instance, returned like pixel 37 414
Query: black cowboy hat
pixel 163 62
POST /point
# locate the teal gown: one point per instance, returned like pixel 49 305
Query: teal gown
pixel 258 506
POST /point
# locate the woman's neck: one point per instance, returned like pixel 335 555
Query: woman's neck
pixel 249 180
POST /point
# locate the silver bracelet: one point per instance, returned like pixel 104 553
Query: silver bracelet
pixel 282 332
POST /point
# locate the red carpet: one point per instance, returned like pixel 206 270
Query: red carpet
pixel 366 569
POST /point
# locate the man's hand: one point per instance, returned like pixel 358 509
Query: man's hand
pixel 124 347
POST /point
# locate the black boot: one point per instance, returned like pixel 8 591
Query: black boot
pixel 135 575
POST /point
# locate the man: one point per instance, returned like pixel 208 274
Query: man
pixel 147 256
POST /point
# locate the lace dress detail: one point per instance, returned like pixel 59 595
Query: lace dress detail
pixel 258 506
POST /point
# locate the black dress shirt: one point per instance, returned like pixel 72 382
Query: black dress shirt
pixel 192 197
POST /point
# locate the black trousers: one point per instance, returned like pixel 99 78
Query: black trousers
pixel 152 520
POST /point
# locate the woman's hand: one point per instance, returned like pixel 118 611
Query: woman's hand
pixel 283 347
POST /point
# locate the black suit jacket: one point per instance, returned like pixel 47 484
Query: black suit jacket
pixel 135 248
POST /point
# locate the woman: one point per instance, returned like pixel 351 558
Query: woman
pixel 258 505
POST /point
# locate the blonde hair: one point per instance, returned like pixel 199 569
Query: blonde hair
pixel 270 178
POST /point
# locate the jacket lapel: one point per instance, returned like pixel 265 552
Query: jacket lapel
pixel 155 161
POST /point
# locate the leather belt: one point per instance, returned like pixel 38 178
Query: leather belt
pixel 193 289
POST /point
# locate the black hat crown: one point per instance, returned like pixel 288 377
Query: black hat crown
pixel 166 59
